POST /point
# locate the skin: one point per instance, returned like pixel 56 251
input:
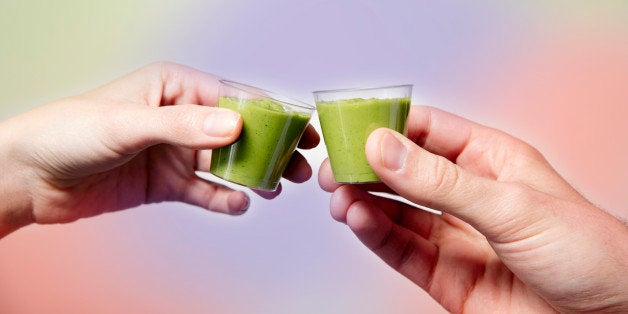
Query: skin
pixel 137 140
pixel 514 236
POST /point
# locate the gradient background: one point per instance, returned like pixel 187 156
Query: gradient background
pixel 554 73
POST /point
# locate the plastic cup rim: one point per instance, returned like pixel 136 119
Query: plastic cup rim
pixel 360 89
pixel 271 95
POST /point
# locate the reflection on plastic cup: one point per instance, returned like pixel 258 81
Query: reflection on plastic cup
pixel 271 128
pixel 349 116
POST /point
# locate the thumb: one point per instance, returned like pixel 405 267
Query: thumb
pixel 190 126
pixel 434 181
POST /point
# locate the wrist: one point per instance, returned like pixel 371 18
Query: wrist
pixel 15 199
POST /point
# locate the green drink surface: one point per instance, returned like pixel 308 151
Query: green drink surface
pixel 261 153
pixel 346 125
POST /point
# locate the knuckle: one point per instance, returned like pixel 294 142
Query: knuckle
pixel 443 178
pixel 527 149
pixel 164 70
pixel 385 241
pixel 115 132
pixel 178 123
pixel 171 79
pixel 524 152
pixel 405 255
pixel 160 66
pixel 395 250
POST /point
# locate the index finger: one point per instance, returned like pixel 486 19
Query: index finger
pixel 484 151
pixel 163 84
pixel 475 147
pixel 440 132
pixel 184 85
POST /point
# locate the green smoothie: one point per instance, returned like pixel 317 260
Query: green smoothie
pixel 269 136
pixel 347 124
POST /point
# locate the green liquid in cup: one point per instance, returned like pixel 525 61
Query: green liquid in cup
pixel 346 125
pixel 269 136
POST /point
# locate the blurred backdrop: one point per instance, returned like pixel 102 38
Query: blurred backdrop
pixel 554 73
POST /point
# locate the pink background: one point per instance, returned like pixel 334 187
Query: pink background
pixel 555 75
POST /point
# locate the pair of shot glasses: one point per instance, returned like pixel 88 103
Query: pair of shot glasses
pixel 273 126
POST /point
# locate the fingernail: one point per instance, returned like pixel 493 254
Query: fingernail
pixel 240 209
pixel 393 152
pixel 221 123
pixel 246 206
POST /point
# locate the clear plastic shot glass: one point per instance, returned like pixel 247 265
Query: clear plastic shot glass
pixel 272 126
pixel 348 116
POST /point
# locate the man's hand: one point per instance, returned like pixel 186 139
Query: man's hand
pixel 514 236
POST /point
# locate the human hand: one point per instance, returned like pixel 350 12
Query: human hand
pixel 514 236
pixel 136 140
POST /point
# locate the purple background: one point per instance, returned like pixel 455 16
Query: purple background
pixel 553 74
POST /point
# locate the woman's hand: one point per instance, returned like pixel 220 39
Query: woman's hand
pixel 136 140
